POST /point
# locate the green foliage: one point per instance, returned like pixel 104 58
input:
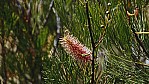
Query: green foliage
pixel 123 65
pixel 28 32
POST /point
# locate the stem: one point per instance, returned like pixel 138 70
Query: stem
pixel 92 41
pixel 101 38
pixel 57 31
pixel 140 42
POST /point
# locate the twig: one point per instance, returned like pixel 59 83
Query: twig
pixel 57 31
pixel 101 37
pixel 139 41
pixel 92 40
pixel 142 32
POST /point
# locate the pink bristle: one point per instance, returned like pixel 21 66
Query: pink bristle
pixel 77 50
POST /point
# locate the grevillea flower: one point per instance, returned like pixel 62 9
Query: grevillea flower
pixel 77 50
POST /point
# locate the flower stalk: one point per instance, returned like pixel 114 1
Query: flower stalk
pixel 92 41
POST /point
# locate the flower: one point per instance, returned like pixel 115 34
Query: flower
pixel 77 50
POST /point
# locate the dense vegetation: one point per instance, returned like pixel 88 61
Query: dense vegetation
pixel 41 41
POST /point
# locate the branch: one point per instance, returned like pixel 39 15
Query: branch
pixel 92 40
pixel 101 37
pixel 57 31
pixel 139 41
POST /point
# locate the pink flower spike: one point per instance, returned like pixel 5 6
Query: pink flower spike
pixel 77 50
